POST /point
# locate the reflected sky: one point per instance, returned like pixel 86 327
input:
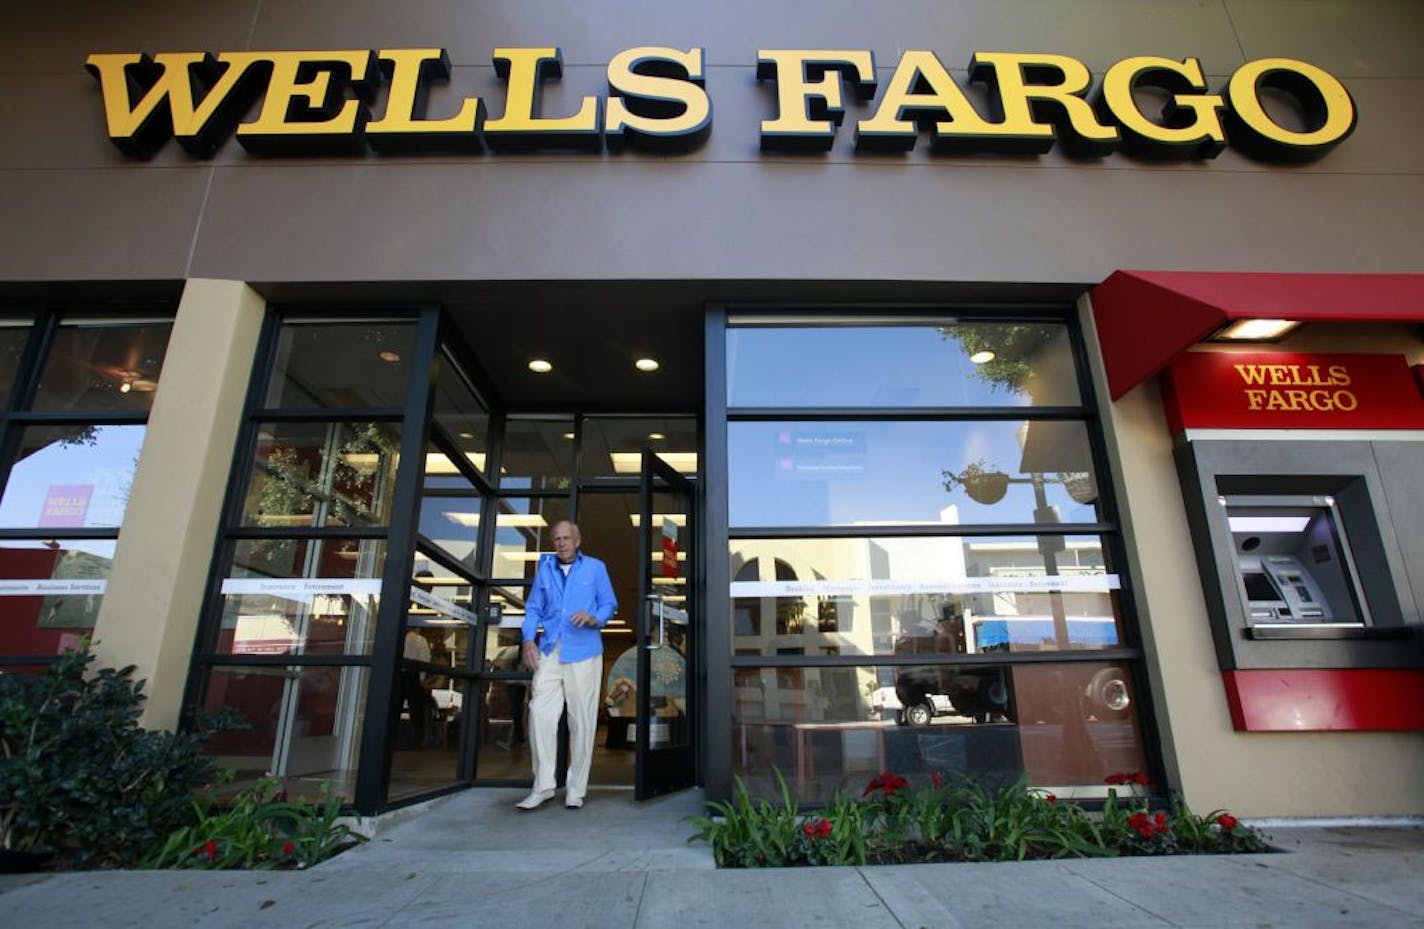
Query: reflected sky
pixel 81 482
pixel 901 366
pixel 856 473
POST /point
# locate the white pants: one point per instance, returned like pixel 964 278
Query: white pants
pixel 557 684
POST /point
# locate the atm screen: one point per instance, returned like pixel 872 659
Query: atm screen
pixel 1259 587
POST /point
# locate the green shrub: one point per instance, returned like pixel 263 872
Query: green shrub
pixel 81 777
pixel 257 830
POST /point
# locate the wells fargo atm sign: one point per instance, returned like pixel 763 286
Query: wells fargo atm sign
pixel 343 102
pixel 1226 390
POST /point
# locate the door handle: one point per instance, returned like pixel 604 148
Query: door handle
pixel 655 605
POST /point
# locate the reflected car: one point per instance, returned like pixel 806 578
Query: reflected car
pixel 983 695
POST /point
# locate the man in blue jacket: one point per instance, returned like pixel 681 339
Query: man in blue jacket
pixel 571 600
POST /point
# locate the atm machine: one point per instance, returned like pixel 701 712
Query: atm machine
pixel 1294 563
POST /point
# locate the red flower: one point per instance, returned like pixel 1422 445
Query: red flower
pixel 211 850
pixel 1161 821
pixel 1127 777
pixel 817 829
pixel 885 782
pixel 288 848
pixel 936 779
pixel 1051 798
pixel 1226 821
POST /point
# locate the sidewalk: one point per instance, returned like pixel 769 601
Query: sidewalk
pixel 472 860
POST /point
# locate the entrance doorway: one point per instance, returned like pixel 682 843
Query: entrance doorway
pixel 390 503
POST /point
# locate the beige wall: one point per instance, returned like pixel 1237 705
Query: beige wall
pixel 150 611
pixel 1254 774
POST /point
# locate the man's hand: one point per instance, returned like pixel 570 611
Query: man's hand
pixel 529 653
pixel 583 619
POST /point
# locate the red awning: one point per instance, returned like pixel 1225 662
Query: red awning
pixel 1146 318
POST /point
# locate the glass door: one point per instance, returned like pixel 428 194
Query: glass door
pixel 665 640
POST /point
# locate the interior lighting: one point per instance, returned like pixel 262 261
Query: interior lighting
pixel 125 387
pixel 569 436
pixel 540 366
pixel 1268 523
pixel 656 436
pixel 1255 330
pixel 646 364
pixel 632 462
pixel 388 356
pixel 980 358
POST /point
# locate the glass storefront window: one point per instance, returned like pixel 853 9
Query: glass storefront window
pixel 50 591
pixel 322 474
pixel 613 447
pixel 502 732
pixel 301 596
pixel 834 728
pixel 424 752
pixel 538 454
pixel 867 472
pixel 305 726
pixel 72 476
pixel 923 595
pixel 14 336
pixel 910 364
pixel 442 472
pixel 522 527
pixel 341 365
pixel 453 524
pixel 103 365
pixel 461 414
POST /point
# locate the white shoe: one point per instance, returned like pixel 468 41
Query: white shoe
pixel 573 803
pixel 535 799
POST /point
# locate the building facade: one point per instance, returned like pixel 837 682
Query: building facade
pixel 883 355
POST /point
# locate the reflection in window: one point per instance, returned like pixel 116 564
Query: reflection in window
pixel 460 413
pixel 453 524
pixel 913 364
pixel 538 454
pixel 72 476
pixel 1065 725
pixel 857 472
pixel 305 726
pixel 295 596
pixel 103 365
pixel 613 446
pixel 925 595
pixel 14 336
pixel 522 533
pixel 323 474
pixel 50 591
pixel 343 366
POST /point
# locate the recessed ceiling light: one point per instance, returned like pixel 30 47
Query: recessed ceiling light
pixel 569 436
pixel 646 364
pixel 388 356
pixel 467 435
pixel 980 358
pixel 540 366
pixel 656 436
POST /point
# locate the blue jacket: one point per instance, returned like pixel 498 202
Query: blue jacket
pixel 554 598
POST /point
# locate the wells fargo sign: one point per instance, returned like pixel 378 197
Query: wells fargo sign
pixel 1274 390
pixel 323 102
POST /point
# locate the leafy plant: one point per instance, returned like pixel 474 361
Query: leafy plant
pixel 894 822
pixel 257 830
pixel 81 777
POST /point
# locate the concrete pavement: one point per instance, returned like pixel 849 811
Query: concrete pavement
pixel 472 860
